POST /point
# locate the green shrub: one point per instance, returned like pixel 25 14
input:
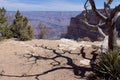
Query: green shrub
pixel 24 34
pixel 3 19
pixel 21 29
pixel 30 32
pixel 6 32
pixel 108 66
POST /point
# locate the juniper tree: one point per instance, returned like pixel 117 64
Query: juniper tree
pixel 109 19
pixel 4 28
pixel 20 27
pixel 3 19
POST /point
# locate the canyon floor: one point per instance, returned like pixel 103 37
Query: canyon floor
pixel 46 59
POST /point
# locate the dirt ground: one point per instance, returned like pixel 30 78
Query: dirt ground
pixel 46 60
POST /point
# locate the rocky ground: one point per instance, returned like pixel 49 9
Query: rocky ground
pixel 46 59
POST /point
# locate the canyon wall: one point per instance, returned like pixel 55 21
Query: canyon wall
pixel 77 29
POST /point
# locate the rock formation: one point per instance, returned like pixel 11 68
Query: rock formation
pixel 77 29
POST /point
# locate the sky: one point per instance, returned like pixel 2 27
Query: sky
pixel 49 5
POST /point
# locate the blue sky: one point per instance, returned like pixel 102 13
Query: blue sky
pixel 48 5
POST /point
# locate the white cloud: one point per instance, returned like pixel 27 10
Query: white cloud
pixel 54 6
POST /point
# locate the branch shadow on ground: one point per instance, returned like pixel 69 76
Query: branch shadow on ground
pixel 77 70
pixel 94 53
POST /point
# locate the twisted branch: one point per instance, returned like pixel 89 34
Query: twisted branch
pixel 100 15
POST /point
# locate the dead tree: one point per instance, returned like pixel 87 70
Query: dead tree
pixel 109 19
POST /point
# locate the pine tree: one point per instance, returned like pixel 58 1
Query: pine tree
pixel 5 31
pixel 20 28
pixel 30 32
pixel 3 19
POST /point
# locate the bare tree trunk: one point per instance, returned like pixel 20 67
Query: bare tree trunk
pixel 110 21
pixel 112 40
pixel 104 46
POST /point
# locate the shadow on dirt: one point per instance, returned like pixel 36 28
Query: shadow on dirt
pixel 77 70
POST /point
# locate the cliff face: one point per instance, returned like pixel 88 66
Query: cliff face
pixel 77 29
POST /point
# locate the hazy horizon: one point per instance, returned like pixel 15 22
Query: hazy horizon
pixel 43 11
pixel 50 5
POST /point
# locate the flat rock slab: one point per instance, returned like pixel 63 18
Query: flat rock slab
pixel 85 62
pixel 50 65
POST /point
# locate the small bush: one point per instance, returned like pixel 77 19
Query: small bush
pixel 108 66
pixel 43 30
pixel 23 35
pixel 5 32
pixel 30 32
pixel 21 29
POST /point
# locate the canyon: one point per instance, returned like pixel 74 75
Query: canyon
pixel 56 21
pixel 78 29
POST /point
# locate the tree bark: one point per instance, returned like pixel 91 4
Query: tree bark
pixel 112 40
pixel 104 46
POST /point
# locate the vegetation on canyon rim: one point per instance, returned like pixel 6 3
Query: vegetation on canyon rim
pixel 106 67
pixel 18 29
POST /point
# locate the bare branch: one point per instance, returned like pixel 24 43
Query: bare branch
pixel 116 17
pixel 107 7
pixel 96 26
pixel 100 15
pixel 86 11
pixel 101 31
pixel 114 12
pixel 90 25
pixel 108 2
pixel 105 41
pixel 101 23
pixel 85 5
